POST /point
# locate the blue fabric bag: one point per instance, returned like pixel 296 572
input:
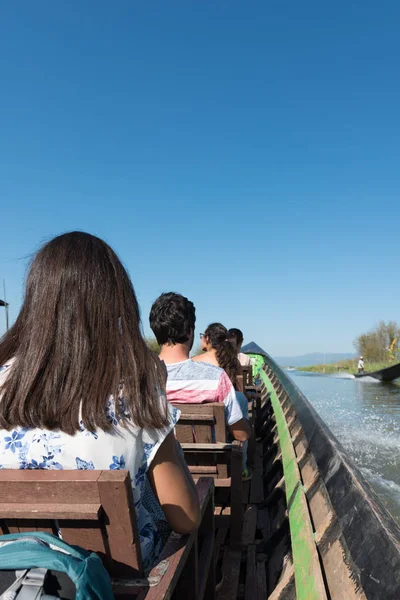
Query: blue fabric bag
pixel 32 554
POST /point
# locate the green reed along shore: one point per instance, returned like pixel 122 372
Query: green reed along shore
pixel 345 366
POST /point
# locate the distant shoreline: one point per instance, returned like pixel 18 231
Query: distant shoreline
pixel 345 366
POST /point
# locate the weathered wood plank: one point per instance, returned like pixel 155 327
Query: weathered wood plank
pixel 231 571
pixel 261 581
pixel 284 583
pixel 206 536
pixel 26 511
pixel 187 585
pixel 249 525
pixel 251 574
pixel 199 469
pixel 122 531
pixel 256 489
pixel 87 534
pixel 205 408
pixel 209 418
pixel 176 551
pixel 206 562
pixel 217 447
pixel 48 487
pixel 236 495
pixel 220 541
pixel 309 581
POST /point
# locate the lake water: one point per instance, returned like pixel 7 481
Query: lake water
pixel 365 417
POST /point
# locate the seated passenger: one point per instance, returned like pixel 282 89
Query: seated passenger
pixel 79 388
pixel 235 336
pixel 218 350
pixel 172 319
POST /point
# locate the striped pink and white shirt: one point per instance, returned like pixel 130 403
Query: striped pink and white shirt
pixel 197 382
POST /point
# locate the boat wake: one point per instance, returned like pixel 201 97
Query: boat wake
pixel 381 480
pixel 376 479
pixel 364 440
pixel 367 379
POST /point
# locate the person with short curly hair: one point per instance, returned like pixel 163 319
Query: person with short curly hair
pixel 172 319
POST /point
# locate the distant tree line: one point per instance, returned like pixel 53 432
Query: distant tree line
pixel 381 343
pixel 155 346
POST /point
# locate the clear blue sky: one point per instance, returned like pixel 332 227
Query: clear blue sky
pixel 245 154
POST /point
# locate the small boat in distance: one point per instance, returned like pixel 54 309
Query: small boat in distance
pixel 388 374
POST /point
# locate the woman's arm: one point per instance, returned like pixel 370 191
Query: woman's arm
pixel 174 487
pixel 241 430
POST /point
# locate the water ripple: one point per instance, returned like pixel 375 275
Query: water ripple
pixel 365 417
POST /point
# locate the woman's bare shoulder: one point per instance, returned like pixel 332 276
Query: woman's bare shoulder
pixel 199 357
pixel 207 357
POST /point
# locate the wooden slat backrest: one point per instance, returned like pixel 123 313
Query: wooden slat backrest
pixel 202 423
pixel 94 509
pixel 225 466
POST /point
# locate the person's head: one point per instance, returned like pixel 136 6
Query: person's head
pixel 216 337
pixel 76 341
pixel 205 342
pixel 361 358
pixel 172 320
pixel 235 336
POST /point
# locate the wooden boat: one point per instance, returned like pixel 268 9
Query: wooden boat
pixel 341 539
pixel 388 374
pixel 307 526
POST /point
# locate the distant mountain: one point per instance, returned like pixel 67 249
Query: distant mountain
pixel 308 360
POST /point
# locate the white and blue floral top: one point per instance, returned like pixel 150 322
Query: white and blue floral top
pixel 128 447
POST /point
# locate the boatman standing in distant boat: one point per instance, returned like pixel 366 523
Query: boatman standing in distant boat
pixel 361 365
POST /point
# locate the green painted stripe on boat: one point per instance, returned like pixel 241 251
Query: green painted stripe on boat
pixel 307 571
pixel 258 362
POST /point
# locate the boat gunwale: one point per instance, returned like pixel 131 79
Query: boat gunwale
pixel 360 513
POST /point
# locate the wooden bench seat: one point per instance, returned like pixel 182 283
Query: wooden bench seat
pixel 95 510
pixel 201 431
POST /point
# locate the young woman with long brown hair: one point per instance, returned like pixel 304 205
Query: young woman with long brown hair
pixel 79 388
pixel 219 351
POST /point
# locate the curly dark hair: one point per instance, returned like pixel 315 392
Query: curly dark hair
pixel 227 359
pixel 172 318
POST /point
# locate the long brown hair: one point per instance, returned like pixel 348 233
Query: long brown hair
pixel 76 341
pixel 227 359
